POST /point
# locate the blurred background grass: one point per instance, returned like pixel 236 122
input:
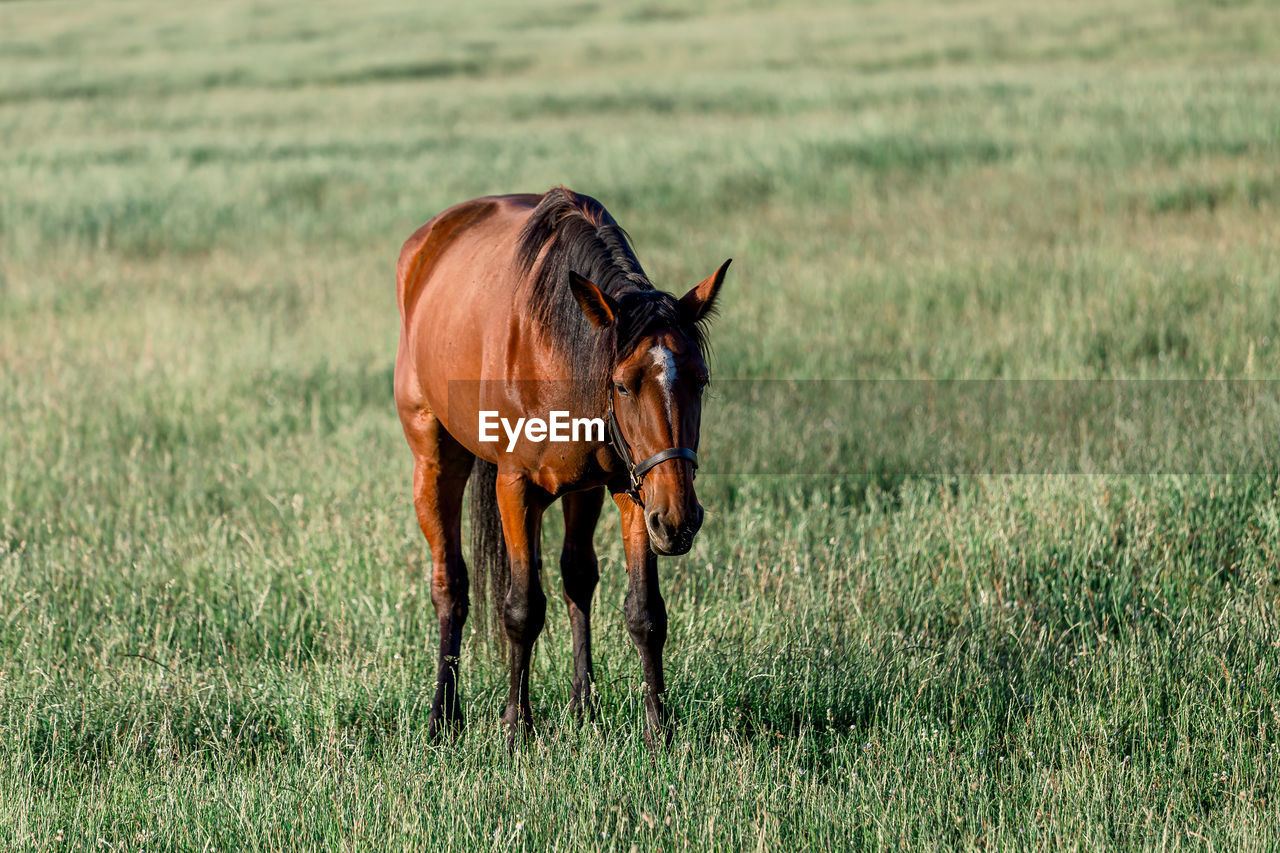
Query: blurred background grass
pixel 213 629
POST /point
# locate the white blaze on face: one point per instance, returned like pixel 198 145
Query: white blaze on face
pixel 665 361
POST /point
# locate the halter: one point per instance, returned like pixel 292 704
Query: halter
pixel 636 472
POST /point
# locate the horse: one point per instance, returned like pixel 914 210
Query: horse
pixel 520 305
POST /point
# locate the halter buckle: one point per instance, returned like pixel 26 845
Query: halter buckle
pixel 635 473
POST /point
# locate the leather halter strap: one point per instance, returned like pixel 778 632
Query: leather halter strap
pixel 636 472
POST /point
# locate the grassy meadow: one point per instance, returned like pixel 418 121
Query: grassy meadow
pixel 214 628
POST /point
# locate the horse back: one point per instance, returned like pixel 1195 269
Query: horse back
pixel 456 282
pixel 427 246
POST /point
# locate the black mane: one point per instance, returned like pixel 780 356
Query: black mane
pixel 574 232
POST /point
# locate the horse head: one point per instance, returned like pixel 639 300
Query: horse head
pixel 654 395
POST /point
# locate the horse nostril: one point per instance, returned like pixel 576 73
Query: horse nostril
pixel 697 516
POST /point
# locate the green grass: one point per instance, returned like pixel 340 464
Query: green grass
pixel 214 632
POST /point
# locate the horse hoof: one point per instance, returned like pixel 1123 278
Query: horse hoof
pixel 583 708
pixel 518 726
pixel 439 724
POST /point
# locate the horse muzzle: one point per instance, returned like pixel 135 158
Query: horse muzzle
pixel 668 539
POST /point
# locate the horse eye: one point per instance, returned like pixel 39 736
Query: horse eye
pixel 621 389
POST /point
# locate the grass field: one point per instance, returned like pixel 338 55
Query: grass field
pixel 214 632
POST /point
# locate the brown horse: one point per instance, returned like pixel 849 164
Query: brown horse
pixel 518 306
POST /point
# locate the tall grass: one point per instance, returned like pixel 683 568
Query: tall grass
pixel 214 629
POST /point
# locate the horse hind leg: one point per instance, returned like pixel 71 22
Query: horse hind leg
pixel 440 471
pixel 580 572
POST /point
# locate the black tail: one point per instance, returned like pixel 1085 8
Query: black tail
pixel 492 568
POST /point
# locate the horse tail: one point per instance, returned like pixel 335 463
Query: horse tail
pixel 489 550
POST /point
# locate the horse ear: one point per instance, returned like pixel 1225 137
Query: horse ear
pixel 700 302
pixel 601 308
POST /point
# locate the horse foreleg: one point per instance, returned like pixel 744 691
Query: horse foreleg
pixel 521 505
pixel 646 615
pixel 580 572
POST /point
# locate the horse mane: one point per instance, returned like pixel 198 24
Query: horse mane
pixel 572 232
